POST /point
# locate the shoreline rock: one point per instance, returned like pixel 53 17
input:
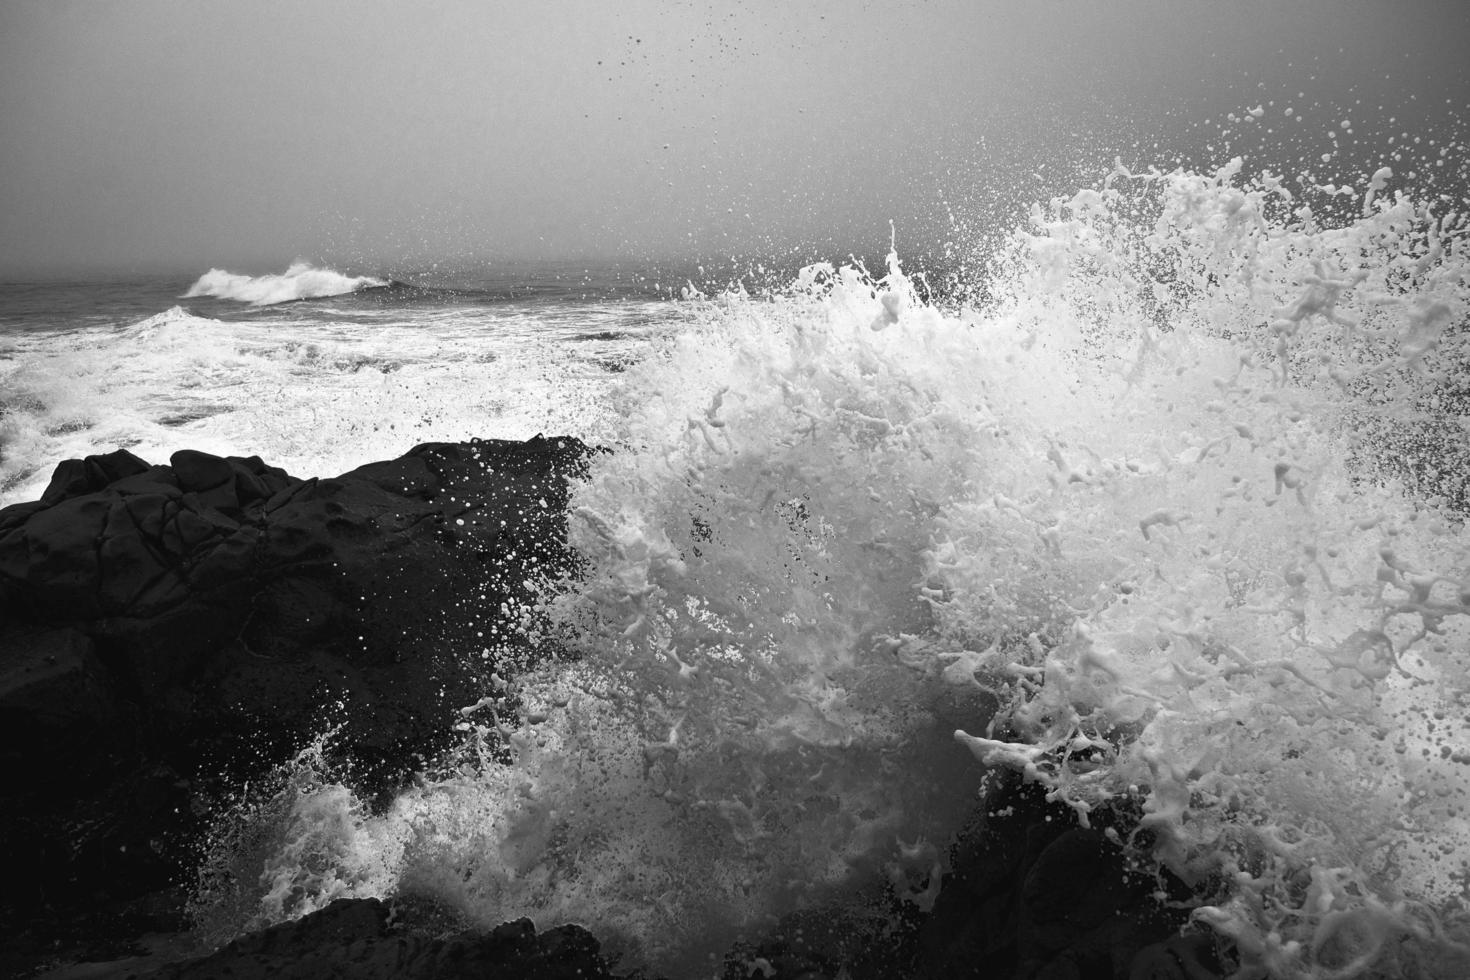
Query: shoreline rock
pixel 367 939
pixel 167 632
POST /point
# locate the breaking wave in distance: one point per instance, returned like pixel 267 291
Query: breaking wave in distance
pixel 1174 522
pixel 301 281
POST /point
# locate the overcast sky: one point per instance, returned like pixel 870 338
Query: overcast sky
pixel 184 134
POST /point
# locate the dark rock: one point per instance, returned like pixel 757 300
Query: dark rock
pixel 870 937
pixel 50 680
pixel 74 477
pixel 366 939
pixel 199 620
pixel 358 939
pixel 1031 895
pixel 199 472
pixel 1028 894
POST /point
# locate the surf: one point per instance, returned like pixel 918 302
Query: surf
pixel 1143 526
pixel 300 281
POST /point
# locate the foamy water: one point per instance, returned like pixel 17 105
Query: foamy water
pixel 1177 519
pixel 316 393
pixel 301 280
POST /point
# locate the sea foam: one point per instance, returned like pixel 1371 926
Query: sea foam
pixel 303 393
pixel 300 281
pixel 1147 528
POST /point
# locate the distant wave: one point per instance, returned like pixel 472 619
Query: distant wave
pixel 301 281
pixel 174 314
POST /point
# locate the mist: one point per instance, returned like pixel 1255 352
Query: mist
pixel 166 135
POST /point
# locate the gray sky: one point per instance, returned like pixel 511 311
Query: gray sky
pixel 183 134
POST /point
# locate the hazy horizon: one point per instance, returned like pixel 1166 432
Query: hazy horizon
pixel 155 136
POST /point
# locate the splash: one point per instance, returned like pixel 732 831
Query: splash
pixel 300 281
pixel 1270 632
pixel 1143 527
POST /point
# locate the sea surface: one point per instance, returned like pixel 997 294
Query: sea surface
pixel 314 370
pixel 1175 517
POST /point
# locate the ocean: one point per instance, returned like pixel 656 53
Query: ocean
pixel 314 370
pixel 1166 509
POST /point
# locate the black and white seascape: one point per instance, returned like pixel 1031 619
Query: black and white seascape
pixel 916 489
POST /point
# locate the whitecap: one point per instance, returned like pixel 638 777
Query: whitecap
pixel 300 281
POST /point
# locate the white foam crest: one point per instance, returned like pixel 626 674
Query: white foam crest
pixel 1256 621
pixel 71 394
pixel 172 317
pixel 300 281
pixel 1151 502
pixel 739 745
pixel 671 847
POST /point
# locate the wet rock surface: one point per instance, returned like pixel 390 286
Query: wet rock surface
pixel 367 939
pixel 362 939
pixel 1027 895
pixel 1033 895
pixel 167 631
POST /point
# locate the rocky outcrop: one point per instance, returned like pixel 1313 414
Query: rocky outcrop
pixel 166 631
pixel 365 939
pixel 1027 895
pixel 1033 895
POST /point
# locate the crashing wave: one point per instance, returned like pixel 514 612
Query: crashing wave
pixel 301 281
pixel 174 316
pixel 1153 501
